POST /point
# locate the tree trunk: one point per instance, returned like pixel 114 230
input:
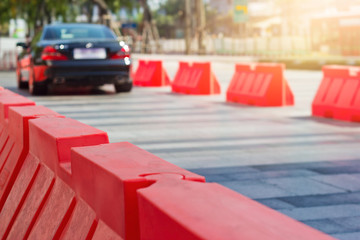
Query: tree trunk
pixel 187 27
pixel 200 13
pixel 104 12
pixel 89 14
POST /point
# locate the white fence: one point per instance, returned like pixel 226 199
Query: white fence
pixel 8 53
pixel 232 46
pixel 260 46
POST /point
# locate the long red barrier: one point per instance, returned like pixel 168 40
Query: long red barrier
pixel 338 95
pixel 195 79
pixel 68 182
pixel 178 209
pixel 115 171
pixel 260 85
pixel 151 74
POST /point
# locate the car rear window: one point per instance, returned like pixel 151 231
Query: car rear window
pixel 78 32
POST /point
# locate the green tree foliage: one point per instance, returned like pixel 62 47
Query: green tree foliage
pixel 169 17
pixel 38 12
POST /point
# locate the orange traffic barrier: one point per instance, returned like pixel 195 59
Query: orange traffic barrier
pixel 195 79
pixel 151 74
pixel 260 85
pixel 338 95
pixel 115 171
pixel 178 209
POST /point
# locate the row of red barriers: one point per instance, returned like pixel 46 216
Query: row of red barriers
pixel 262 84
pixel 195 79
pixel 61 179
pixel 252 84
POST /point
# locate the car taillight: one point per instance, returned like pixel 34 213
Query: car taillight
pixel 123 53
pixel 50 53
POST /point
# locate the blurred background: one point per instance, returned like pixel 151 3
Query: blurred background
pixel 295 32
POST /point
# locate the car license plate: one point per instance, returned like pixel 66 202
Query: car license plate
pixel 89 53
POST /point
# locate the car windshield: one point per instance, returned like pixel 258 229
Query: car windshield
pixel 78 32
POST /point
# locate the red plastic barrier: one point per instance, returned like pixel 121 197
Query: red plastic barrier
pixel 4 94
pixel 151 74
pixel 103 232
pixel 15 147
pixel 107 178
pixel 57 136
pixel 81 222
pixel 17 195
pixel 195 79
pixel 178 209
pixel 42 206
pixel 12 160
pixel 54 215
pixel 338 96
pixel 260 85
pixel 41 194
pixel 8 99
pixel 31 198
pixel 67 186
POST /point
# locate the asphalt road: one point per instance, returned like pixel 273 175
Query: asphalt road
pixel 305 167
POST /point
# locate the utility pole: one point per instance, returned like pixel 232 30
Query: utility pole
pixel 200 13
pixel 187 27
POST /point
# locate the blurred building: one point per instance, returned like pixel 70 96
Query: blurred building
pixel 222 6
pixel 330 26
pixel 337 32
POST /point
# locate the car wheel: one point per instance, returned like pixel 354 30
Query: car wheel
pixel 124 87
pixel 20 84
pixel 38 89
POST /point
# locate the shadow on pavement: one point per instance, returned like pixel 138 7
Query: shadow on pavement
pixel 329 121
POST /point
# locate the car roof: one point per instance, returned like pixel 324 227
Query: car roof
pixel 74 25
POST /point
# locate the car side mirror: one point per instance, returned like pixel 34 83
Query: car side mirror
pixel 22 44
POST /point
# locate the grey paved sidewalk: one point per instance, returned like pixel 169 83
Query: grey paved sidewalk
pixel 324 195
